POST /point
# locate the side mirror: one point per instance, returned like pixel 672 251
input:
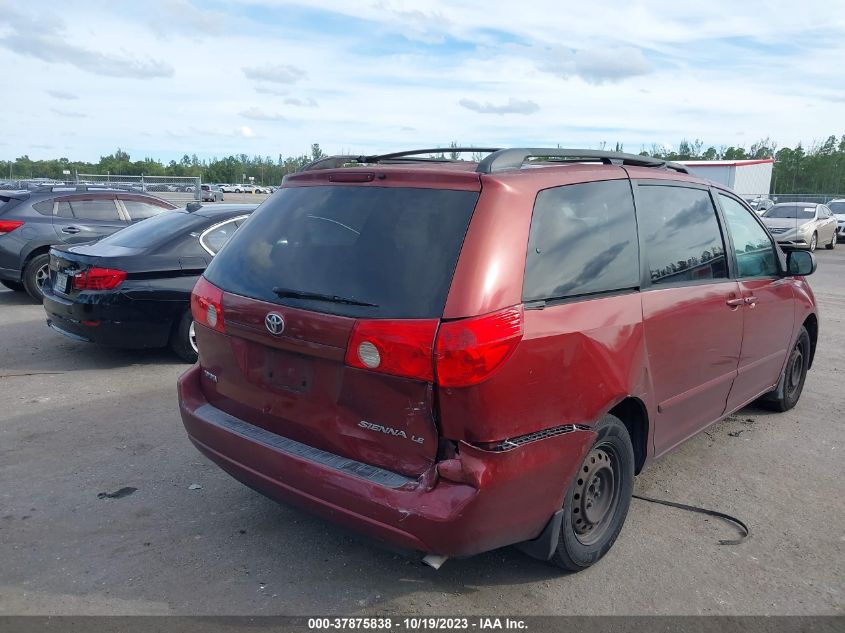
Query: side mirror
pixel 800 263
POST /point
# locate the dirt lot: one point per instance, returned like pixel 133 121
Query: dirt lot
pixel 78 421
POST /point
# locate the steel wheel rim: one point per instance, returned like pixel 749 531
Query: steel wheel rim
pixel 795 370
pixel 596 494
pixel 41 275
pixel 192 337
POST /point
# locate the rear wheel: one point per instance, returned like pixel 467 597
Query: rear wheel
pixel 832 243
pixel 13 285
pixel 183 339
pixel 597 502
pixel 791 383
pixel 35 274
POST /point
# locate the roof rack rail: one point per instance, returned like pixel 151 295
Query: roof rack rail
pixel 333 162
pixel 82 188
pixel 514 158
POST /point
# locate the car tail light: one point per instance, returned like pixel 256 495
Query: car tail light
pixel 469 350
pixel 398 347
pixel 98 279
pixel 7 226
pixel 207 305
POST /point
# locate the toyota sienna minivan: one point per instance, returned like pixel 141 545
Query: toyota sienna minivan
pixel 454 356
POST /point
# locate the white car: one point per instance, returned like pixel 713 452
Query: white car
pixel 837 207
pixel 236 188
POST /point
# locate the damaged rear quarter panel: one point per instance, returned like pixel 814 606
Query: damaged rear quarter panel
pixel 575 362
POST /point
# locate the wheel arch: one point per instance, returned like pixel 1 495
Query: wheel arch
pixel 634 415
pixel 811 323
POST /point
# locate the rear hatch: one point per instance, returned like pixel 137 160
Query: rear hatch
pixel 315 275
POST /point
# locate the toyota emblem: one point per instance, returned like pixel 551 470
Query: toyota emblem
pixel 274 323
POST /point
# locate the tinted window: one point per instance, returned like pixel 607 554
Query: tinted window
pixel 45 207
pixel 755 254
pixel 681 234
pixel 390 246
pixel 217 237
pixel 64 210
pixel 141 210
pixel 791 211
pixel 103 210
pixel 583 239
pixel 837 207
pixel 153 231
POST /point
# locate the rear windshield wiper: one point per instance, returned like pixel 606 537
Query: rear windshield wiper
pixel 299 294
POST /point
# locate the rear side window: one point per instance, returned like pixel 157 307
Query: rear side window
pixel 583 240
pixel 45 207
pixel 141 210
pixel 680 234
pixel 393 247
pixel 102 210
pixel 213 239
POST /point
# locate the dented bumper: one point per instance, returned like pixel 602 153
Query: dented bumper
pixel 478 501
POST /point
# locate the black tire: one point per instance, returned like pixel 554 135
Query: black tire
pixel 35 273
pixel 832 243
pixel 814 242
pixel 791 384
pixel 603 484
pixel 181 339
pixel 13 285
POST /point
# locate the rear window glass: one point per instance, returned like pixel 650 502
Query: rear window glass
pixel 392 247
pixel 583 240
pixel 155 230
pixel 139 210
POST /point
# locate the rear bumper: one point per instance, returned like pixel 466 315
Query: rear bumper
pixel 497 498
pixel 114 325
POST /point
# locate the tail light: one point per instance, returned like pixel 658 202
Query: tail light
pixel 98 279
pixel 207 305
pixel 7 226
pixel 469 350
pixel 461 353
pixel 401 347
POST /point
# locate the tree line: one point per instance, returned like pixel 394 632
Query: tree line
pixel 816 168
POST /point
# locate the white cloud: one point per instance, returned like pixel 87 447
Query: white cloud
pixel 68 113
pixel 513 106
pixel 245 132
pixel 308 102
pixel 598 65
pixel 61 94
pixel 257 114
pixel 276 73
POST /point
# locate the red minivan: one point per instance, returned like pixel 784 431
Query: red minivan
pixel 454 356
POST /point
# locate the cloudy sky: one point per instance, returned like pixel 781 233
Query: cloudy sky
pixel 162 78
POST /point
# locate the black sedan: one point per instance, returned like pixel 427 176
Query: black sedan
pixel 133 288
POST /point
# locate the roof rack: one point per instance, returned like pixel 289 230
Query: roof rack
pixel 506 159
pixel 333 162
pixel 81 188
pixel 499 159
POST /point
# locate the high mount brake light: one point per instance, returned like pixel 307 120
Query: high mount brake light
pixel 459 354
pixel 98 279
pixel 207 305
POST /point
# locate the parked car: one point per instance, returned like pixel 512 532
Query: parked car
pixel 237 188
pixel 837 207
pixel 211 193
pixel 801 225
pixel 132 289
pixel 32 221
pixel 761 205
pixel 455 361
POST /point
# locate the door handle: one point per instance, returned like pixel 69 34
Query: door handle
pixel 735 303
pixel 71 230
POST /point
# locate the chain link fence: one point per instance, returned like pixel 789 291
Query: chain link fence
pixel 816 198
pixel 178 189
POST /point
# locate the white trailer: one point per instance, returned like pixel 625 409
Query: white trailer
pixel 748 178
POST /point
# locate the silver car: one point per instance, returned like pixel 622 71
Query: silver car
pixel 837 207
pixel 801 225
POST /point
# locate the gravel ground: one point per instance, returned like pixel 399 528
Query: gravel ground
pixel 78 421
